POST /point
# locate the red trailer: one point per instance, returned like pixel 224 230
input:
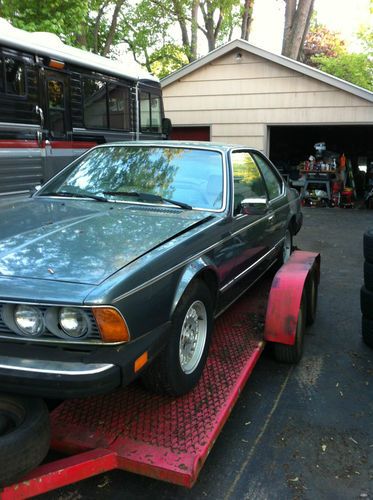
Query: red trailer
pixel 170 438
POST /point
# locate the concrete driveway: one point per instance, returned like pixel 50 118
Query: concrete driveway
pixel 303 432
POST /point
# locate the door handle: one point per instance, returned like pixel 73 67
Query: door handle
pixel 271 217
pixel 39 133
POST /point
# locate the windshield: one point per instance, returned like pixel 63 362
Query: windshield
pixel 125 173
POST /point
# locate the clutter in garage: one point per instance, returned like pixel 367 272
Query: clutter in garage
pixel 325 178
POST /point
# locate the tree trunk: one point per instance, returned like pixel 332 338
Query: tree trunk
pixel 290 9
pixel 113 27
pixel 97 26
pixel 297 18
pixel 247 18
pixel 194 31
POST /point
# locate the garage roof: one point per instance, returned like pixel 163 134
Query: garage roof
pixel 284 61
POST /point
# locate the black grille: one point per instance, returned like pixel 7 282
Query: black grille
pixel 5 331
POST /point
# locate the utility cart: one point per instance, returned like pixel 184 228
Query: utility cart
pixel 170 438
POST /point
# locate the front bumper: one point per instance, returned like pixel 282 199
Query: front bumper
pixel 67 371
pixel 56 379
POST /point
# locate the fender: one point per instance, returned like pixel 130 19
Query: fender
pixel 285 296
pixel 190 272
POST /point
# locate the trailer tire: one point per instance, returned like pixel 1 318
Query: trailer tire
pixel 24 435
pixel 293 353
pixel 287 247
pixel 367 331
pixel 311 291
pixel 171 372
pixel 368 275
pixel 368 245
pixel 366 302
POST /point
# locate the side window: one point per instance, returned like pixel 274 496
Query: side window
pixel 155 106
pixel 95 104
pixel 119 107
pixel 145 112
pixel 273 183
pixel 150 112
pixel 56 105
pixel 247 181
pixel 15 76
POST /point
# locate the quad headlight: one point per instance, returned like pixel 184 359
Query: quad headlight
pixel 29 320
pixel 74 322
pixel 84 325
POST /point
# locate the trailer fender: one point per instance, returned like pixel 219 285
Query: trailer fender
pixel 285 296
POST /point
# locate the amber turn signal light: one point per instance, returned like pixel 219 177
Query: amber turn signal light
pixel 111 324
pixel 141 361
pixel 53 63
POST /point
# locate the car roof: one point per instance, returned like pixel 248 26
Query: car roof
pixel 182 144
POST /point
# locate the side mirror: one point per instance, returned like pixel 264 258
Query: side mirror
pixel 35 189
pixel 254 206
pixel 166 127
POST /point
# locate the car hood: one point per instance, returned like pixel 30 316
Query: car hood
pixel 82 241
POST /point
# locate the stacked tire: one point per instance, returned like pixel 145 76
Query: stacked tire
pixel 366 293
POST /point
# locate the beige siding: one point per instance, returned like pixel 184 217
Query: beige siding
pixel 245 86
pixel 238 98
pixel 335 98
pixel 302 116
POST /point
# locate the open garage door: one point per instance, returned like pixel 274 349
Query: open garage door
pixel 291 145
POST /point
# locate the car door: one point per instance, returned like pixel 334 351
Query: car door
pixel 245 254
pixel 58 143
pixel 278 203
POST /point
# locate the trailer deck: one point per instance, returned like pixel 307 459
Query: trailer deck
pixel 159 436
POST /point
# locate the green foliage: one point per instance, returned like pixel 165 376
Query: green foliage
pixel 61 17
pixel 167 59
pixel 147 27
pixel 355 68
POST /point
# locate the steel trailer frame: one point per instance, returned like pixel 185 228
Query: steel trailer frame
pixel 163 437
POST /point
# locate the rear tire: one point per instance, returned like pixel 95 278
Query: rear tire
pixel 179 366
pixel 293 353
pixel 367 331
pixel 366 302
pixel 368 245
pixel 24 436
pixel 368 275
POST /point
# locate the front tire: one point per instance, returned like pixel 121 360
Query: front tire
pixel 179 366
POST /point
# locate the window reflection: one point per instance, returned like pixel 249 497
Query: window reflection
pixel 191 176
pixel 15 76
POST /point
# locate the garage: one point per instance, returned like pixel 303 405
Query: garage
pixel 245 95
pixel 289 146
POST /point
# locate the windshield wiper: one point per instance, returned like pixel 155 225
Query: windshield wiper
pixel 150 197
pixel 75 195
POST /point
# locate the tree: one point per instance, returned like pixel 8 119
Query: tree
pixel 247 18
pixel 166 60
pixel 297 20
pixel 355 68
pixel 145 26
pixel 56 16
pixel 320 41
pixel 332 57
